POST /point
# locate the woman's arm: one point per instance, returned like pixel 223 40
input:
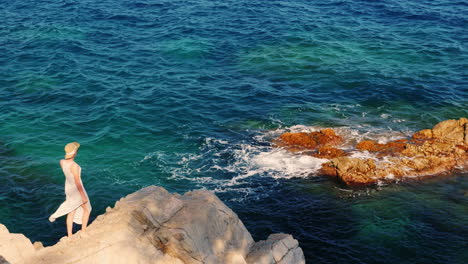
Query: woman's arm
pixel 76 174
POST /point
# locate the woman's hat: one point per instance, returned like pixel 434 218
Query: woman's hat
pixel 70 149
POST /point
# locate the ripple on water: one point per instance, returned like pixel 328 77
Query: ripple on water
pixel 189 94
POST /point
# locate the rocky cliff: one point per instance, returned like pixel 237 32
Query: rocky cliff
pixel 154 226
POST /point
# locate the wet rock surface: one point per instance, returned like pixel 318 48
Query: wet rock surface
pixel 310 141
pixel 329 153
pixel 433 151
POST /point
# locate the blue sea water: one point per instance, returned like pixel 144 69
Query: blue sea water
pixel 189 94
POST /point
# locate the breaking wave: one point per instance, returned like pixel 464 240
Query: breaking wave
pixel 223 165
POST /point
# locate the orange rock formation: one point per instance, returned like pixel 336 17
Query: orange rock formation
pixel 310 141
pixel 429 152
pixel 329 153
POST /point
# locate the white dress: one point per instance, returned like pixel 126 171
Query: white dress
pixel 73 198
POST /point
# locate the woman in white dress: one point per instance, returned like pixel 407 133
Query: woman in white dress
pixel 76 206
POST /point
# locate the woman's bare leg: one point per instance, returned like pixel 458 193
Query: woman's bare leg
pixel 70 223
pixel 85 218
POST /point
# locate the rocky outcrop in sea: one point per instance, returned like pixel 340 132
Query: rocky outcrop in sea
pixel 154 226
pixel 435 151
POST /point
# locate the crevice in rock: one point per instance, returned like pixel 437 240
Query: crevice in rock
pixel 289 250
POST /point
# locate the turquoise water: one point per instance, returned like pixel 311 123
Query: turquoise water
pixel 189 94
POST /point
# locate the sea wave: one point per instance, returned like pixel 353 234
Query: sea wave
pixel 238 166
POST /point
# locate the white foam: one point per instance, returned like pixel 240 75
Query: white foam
pixel 222 165
pixel 398 120
pixel 363 155
pixel 284 164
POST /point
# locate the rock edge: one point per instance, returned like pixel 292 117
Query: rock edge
pixel 154 226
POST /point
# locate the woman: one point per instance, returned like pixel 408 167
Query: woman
pixel 76 206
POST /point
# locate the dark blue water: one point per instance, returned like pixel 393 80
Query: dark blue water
pixel 189 94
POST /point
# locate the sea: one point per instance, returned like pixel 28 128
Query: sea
pixel 191 94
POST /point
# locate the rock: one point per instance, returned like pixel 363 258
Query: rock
pixel 448 130
pixel 3 260
pixel 423 134
pixel 451 130
pixel 389 148
pixel 38 245
pixel 466 135
pixel 368 145
pixel 302 140
pixel 429 165
pixel 433 147
pixel 352 171
pixel 433 151
pixel 153 226
pixel 121 235
pixel 15 248
pixel 329 169
pixel 360 172
pixel 204 231
pixel 278 248
pixel 329 153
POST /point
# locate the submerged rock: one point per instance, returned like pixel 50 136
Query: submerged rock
pixel 154 226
